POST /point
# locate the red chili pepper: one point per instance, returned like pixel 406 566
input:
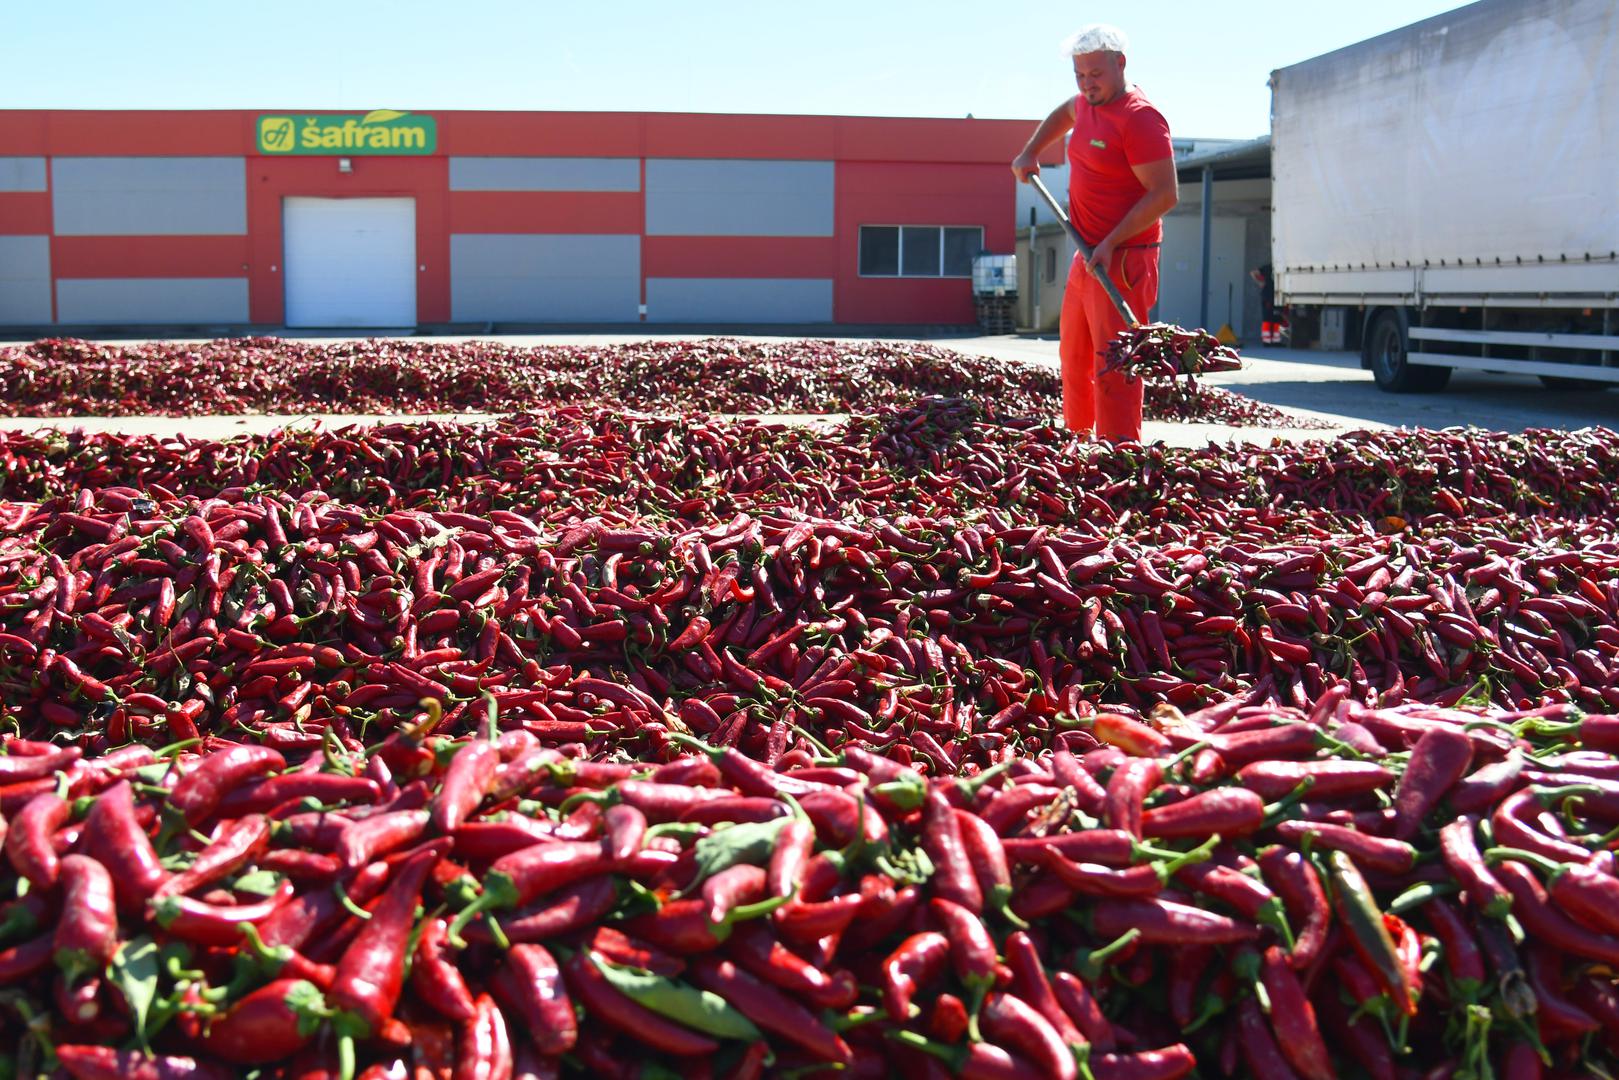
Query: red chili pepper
pixel 484 1049
pixel 759 952
pixel 16 767
pixel 435 978
pixel 1590 896
pixel 1127 789
pixel 372 837
pixel 1513 825
pixel 314 915
pixel 466 781
pixel 87 932
pixel 1531 906
pixel 238 843
pixel 201 790
pixel 1011 1021
pixel 1377 852
pixel 1165 922
pixel 789 858
pixel 1440 758
pixel 528 984
pixel 733 887
pixel 953 878
pixel 568 909
pixel 1029 982
pixel 273 1022
pixel 1229 811
pixel 1292 1018
pixel 1459 848
pixel 28 841
pixel 770 1009
pixel 1295 880
pixel 1327 779
pixel 114 836
pixel 330 789
pixel 916 963
pixel 1485 787
pixel 626 827
pixel 1131 736
pixel 1259 1049
pixel 371 970
pixel 523 876
pixel 190 919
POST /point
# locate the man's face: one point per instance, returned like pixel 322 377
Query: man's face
pixel 1100 76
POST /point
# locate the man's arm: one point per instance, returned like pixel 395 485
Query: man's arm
pixel 1158 177
pixel 1052 128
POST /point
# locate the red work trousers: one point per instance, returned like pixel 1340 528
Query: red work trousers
pixel 1107 405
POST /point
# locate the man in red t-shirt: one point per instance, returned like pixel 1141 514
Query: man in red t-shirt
pixel 1121 181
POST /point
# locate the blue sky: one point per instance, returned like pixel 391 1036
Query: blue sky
pixel 1204 64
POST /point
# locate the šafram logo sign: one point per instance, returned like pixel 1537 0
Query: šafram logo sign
pixel 383 131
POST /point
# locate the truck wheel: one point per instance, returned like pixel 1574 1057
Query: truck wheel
pixel 1563 382
pixel 1389 366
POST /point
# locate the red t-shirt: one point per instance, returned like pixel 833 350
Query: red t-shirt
pixel 1107 140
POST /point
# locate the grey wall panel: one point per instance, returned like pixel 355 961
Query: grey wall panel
pixel 520 278
pixel 25 280
pixel 151 301
pixel 544 174
pixel 149 196
pixel 738 198
pixel 22 174
pixel 739 300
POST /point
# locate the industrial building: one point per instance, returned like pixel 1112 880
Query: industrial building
pixel 232 220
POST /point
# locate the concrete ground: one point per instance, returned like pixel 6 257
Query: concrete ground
pixel 1328 386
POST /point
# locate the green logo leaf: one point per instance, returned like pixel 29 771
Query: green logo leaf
pixel 381 116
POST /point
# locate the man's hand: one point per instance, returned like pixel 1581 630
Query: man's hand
pixel 1101 256
pixel 1025 165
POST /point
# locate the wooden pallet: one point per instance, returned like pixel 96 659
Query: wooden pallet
pixel 997 314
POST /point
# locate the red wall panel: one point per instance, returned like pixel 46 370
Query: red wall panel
pixel 426 179
pixel 876 138
pixel 23 133
pixel 739 256
pixel 908 193
pixel 199 133
pixel 687 135
pixel 527 134
pixel 545 211
pixel 25 213
pixel 148 256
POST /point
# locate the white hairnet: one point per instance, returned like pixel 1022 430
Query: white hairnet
pixel 1097 37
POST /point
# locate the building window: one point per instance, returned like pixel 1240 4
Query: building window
pixel 1051 265
pixel 919 250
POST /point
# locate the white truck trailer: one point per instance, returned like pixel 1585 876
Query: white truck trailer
pixel 1450 192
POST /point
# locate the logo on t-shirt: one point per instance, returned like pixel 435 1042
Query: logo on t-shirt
pixel 1099 144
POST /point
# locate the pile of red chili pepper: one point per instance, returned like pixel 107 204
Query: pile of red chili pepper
pixel 1245 890
pixel 69 377
pixel 1164 351
pixel 932 742
pixel 935 457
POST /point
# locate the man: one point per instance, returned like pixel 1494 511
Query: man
pixel 1121 181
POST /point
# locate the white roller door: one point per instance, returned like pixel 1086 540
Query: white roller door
pixel 349 262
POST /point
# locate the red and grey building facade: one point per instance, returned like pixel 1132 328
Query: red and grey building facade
pixel 193 218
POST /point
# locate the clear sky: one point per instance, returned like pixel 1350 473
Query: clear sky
pixel 1204 64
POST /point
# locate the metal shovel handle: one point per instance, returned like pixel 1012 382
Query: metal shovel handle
pixel 1085 249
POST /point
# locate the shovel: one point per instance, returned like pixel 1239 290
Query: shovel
pixel 1085 249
